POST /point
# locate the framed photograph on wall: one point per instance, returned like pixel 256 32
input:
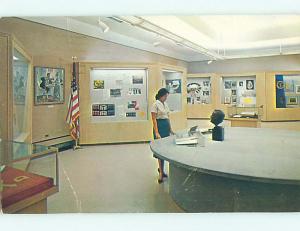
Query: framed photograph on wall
pixel 292 100
pixel 297 89
pixel 49 85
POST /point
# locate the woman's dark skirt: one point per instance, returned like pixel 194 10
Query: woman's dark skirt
pixel 163 126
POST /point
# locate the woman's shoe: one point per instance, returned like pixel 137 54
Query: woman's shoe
pixel 164 174
pixel 160 181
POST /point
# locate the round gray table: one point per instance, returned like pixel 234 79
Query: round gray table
pixel 253 169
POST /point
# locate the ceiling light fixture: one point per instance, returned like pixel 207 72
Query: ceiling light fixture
pixel 15 58
pixel 209 62
pixel 103 25
pixel 116 19
pixel 150 27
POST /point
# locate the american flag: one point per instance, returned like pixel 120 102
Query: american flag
pixel 73 112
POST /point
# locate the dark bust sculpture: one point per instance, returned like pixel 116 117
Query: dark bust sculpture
pixel 216 118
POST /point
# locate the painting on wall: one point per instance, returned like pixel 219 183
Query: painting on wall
pixel 49 85
pixel 20 83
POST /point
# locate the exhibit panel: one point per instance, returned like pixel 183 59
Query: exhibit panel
pixel 118 95
pixel 201 95
pixel 123 121
pixel 17 95
pixel 246 90
pixel 283 95
pixel 174 79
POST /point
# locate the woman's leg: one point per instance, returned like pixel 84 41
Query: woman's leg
pixel 160 167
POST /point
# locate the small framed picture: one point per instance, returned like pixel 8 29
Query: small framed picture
pixel 233 92
pixel 250 84
pixel 233 84
pixel 241 84
pixel 227 100
pixel 297 89
pixel 227 84
pixel 292 100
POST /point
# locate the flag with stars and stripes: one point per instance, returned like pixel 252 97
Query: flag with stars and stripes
pixel 73 111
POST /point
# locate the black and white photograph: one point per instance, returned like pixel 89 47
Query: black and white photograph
pixel 115 92
pixel 137 79
pixel 233 84
pixel 241 83
pixel 250 84
pixel 227 100
pixel 227 84
pixel 233 92
pixel 174 86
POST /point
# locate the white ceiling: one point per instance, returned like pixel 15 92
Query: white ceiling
pixel 219 36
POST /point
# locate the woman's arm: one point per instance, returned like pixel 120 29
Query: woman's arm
pixel 157 135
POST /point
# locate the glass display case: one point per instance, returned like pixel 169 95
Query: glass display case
pixel 199 90
pixel 239 91
pixel 245 112
pixel 287 91
pixel 29 174
pixel 118 94
pixel 172 80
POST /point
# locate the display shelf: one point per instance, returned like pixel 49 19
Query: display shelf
pixel 245 116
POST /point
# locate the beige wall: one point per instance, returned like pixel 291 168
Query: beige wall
pixel 53 47
pixel 261 64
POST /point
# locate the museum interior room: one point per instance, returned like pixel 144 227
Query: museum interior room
pixel 84 101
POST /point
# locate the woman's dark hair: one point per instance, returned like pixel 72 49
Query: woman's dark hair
pixel 162 92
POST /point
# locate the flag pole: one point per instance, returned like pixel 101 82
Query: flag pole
pixel 76 146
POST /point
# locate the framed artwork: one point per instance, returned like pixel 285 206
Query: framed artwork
pixel 173 86
pixel 250 84
pixel 98 84
pixel 292 100
pixel 115 92
pixel 227 100
pixel 241 83
pixel 137 79
pixel 227 84
pixel 233 84
pixel 49 85
pixel 297 89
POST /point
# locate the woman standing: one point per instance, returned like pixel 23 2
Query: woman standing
pixel 161 124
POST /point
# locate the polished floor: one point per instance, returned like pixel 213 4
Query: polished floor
pixel 110 178
pixel 113 178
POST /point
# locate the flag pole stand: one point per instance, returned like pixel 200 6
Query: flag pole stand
pixel 76 146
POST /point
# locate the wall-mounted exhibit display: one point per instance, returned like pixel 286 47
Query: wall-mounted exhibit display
pixel 239 91
pixel 118 94
pixel 49 85
pixel 172 81
pixel 287 91
pixel 21 86
pixel 198 90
